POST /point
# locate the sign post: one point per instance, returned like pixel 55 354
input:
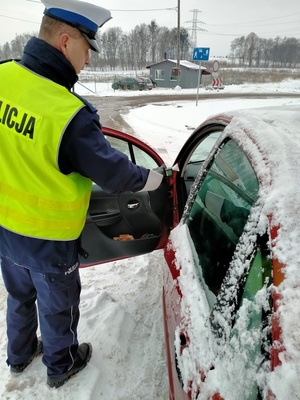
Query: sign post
pixel 200 54
pixel 217 81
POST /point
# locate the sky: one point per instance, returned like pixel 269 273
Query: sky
pixel 121 313
pixel 223 21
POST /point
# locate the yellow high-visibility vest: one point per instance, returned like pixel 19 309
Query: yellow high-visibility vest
pixel 36 199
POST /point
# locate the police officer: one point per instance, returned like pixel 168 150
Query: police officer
pixel 52 148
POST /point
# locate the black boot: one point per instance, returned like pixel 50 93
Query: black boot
pixel 83 356
pixel 18 368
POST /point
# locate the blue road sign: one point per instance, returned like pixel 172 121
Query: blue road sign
pixel 201 54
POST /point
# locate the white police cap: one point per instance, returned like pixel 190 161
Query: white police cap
pixel 84 16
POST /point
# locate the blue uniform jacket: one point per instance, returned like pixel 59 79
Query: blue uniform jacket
pixel 83 149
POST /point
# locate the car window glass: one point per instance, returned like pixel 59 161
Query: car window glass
pixel 256 319
pixel 134 153
pixel 240 320
pixel 143 159
pixel 198 155
pixel 259 275
pixel 204 147
pixel 219 213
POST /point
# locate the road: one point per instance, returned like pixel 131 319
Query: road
pixel 110 108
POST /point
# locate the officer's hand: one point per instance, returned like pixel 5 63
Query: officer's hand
pixel 161 170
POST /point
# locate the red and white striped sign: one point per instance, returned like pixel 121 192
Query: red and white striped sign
pixel 217 82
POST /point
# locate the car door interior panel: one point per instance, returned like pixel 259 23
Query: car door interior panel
pixel 119 226
pixel 128 224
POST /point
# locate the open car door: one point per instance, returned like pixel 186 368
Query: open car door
pixel 144 217
pixel 127 224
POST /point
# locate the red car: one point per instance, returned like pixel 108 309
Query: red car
pixel 228 218
pixel 147 82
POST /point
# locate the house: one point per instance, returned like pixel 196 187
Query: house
pixel 165 74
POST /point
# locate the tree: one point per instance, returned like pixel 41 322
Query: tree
pixel 185 44
pixel 5 52
pixel 153 28
pixel 251 43
pixel 238 48
pixel 110 41
pixel 275 51
pixel 147 44
pixel 141 38
pixel 124 51
pixel 290 48
pixel 163 49
pixel 18 44
pixel 266 45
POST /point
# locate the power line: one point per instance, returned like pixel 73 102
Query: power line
pixel 260 20
pixel 253 24
pixel 33 1
pixel 19 19
pixel 149 9
pixel 273 33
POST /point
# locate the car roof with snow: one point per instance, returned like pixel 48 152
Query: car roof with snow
pixel 271 139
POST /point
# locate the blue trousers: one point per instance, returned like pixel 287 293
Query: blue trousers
pixel 53 301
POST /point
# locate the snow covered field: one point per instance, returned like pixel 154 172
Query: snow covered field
pixel 121 301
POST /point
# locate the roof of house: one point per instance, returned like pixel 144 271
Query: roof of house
pixel 183 63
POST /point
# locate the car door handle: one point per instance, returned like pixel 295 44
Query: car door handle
pixel 183 344
pixel 133 205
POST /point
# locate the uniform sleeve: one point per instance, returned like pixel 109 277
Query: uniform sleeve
pixel 85 150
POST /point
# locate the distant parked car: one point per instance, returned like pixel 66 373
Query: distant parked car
pixel 147 81
pixel 129 83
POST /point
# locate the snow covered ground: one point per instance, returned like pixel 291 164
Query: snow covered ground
pixel 121 311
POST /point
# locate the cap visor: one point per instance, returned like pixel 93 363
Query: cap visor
pixel 92 42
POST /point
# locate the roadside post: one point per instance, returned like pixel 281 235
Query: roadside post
pixel 200 54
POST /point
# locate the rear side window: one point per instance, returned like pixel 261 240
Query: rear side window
pixel 220 211
pixel 134 153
